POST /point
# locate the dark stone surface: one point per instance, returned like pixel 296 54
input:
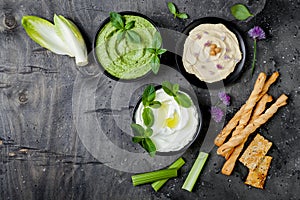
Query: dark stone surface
pixel 38 91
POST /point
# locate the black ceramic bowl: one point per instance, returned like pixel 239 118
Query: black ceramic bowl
pixel 107 20
pixel 199 126
pixel 191 77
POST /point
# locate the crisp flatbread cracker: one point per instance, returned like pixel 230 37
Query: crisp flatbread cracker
pixel 257 177
pixel 255 152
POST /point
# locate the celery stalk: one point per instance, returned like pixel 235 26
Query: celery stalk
pixel 176 165
pixel 150 177
pixel 195 171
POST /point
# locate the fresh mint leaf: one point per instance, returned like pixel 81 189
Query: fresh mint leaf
pixel 148 132
pixel 133 36
pixel 157 40
pixel 182 15
pixel 183 100
pixel 120 36
pixel 155 104
pixel 155 64
pixel 161 51
pixel 138 130
pixel 172 8
pixel 137 139
pixel 175 88
pixel 148 95
pixel 117 20
pixel 167 87
pixel 240 12
pixel 149 146
pixel 129 25
pixel 148 117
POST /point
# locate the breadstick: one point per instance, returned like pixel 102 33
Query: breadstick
pixel 251 127
pixel 234 154
pixel 244 113
pixel 268 83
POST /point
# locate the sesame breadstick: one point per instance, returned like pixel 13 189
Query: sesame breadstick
pixel 251 127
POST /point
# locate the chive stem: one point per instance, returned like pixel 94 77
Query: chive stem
pixel 176 165
pixel 150 177
pixel 195 171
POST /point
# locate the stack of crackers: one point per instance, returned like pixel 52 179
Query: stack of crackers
pixel 246 121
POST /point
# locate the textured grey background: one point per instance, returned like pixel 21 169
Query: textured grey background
pixel 36 90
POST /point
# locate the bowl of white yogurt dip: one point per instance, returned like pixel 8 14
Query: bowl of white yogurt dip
pixel 175 127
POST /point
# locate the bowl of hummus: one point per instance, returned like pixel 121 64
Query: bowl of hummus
pixel 175 127
pixel 212 51
pixel 121 59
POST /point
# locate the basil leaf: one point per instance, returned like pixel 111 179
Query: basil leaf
pixel 133 36
pixel 182 15
pixel 137 139
pixel 151 50
pixel 155 64
pixel 111 34
pixel 148 117
pixel 157 40
pixel 149 146
pixel 161 51
pixel 138 130
pixel 129 25
pixel 167 87
pixel 183 100
pixel 120 36
pixel 240 12
pixel 155 104
pixel 148 132
pixel 175 88
pixel 148 94
pixel 172 8
pixel 117 20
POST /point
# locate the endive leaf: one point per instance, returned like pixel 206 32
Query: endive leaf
pixel 71 35
pixel 44 33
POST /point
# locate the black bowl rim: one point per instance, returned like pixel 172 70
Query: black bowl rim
pixel 105 72
pixel 233 76
pixel 199 126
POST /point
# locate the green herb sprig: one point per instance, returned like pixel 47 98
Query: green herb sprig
pixel 173 10
pixel 156 50
pixel 173 90
pixel 240 12
pixel 142 135
pixel 124 29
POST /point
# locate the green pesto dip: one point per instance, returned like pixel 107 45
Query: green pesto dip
pixel 121 58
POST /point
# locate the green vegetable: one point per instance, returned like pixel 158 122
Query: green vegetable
pixel 240 12
pixel 124 28
pixel 150 177
pixel 156 50
pixel 142 137
pixel 148 95
pixel 173 10
pixel 195 171
pixel 173 90
pixel 176 165
pixel 148 117
pixel 63 37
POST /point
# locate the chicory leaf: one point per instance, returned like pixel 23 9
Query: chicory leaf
pixel 71 36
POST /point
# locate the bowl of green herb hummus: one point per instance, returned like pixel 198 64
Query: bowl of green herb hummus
pixel 122 43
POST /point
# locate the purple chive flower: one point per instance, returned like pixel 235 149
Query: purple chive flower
pixel 226 57
pixel 207 44
pixel 216 113
pixel 219 66
pixel 256 33
pixel 225 98
pixel 198 36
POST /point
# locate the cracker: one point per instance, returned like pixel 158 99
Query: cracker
pixel 257 177
pixel 255 152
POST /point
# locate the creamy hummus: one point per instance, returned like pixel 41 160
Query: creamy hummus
pixel 174 126
pixel 121 58
pixel 197 58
